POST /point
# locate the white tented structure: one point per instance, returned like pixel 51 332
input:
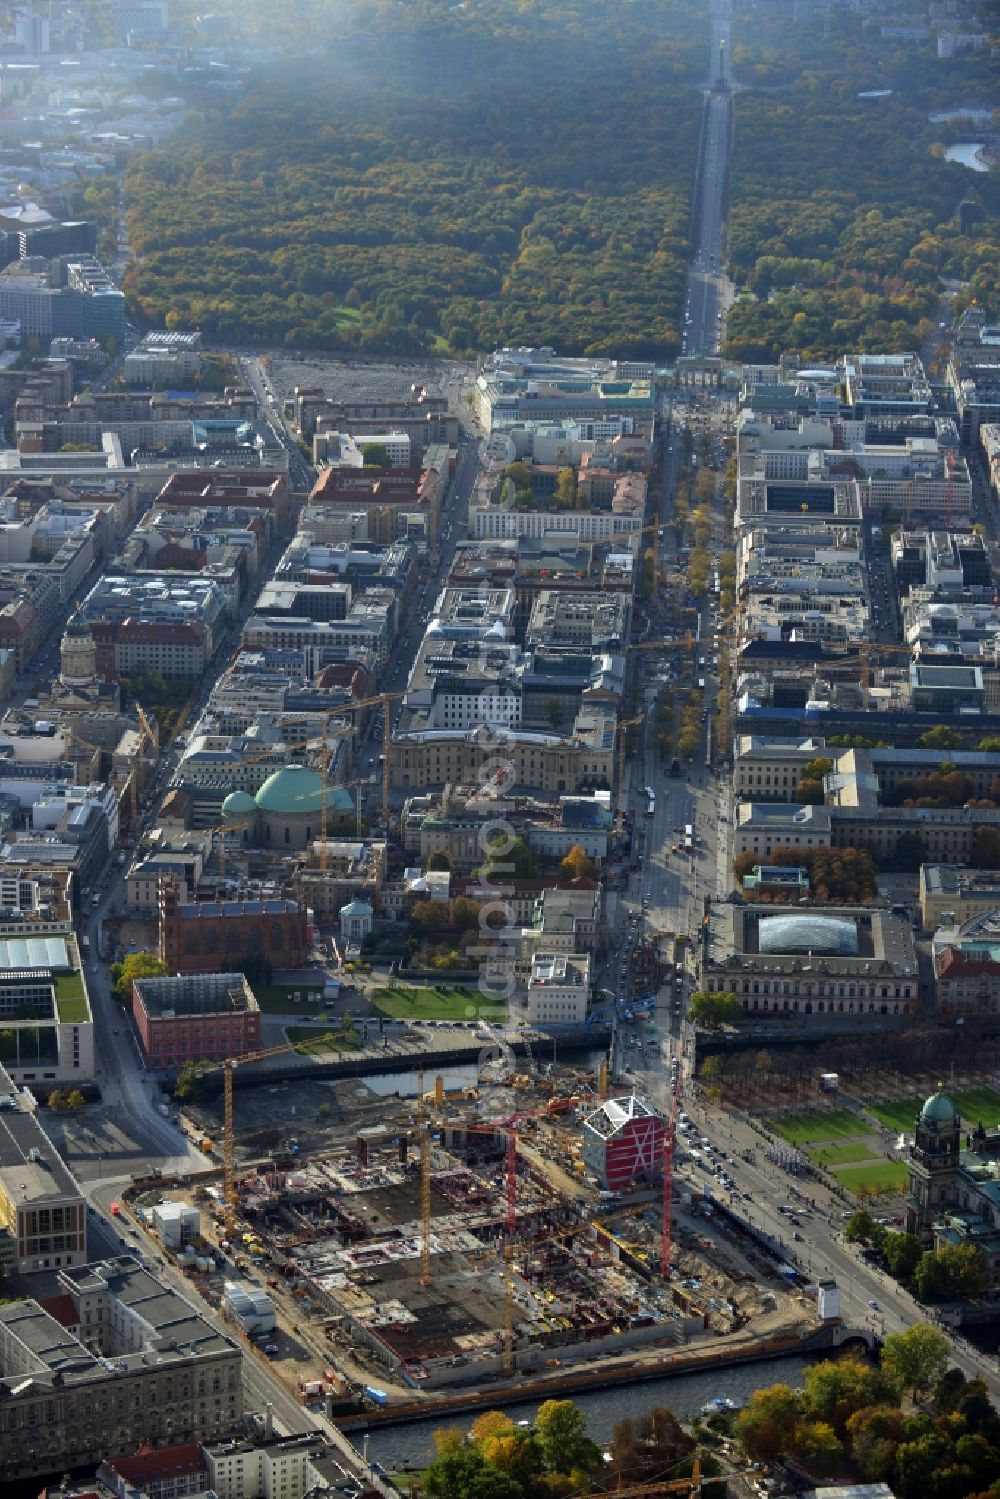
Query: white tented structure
pixel 251 1310
pixel 176 1223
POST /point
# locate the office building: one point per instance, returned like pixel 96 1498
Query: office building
pixel 115 1342
pixel 43 1221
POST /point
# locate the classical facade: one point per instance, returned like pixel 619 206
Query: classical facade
pixel 116 1355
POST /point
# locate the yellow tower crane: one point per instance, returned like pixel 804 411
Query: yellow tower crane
pixel 423 1125
pixel 228 1130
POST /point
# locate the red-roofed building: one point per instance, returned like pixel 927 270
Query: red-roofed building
pixel 254 489
pixel 348 676
pixel 162 1473
pixel 968 982
pixel 63 1309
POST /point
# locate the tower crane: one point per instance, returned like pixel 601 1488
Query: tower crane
pixel 229 1066
pixel 146 733
pixel 423 1128
pixel 669 1144
pixel 690 1485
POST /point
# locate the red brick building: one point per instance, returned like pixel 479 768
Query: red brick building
pixel 202 936
pixel 210 1015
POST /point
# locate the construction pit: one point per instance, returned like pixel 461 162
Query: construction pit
pixel 528 1268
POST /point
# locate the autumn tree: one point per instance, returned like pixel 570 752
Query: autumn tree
pixel 137 965
pixel 766 1421
pixel 916 1358
pixel 577 865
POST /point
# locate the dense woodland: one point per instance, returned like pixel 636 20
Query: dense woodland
pixel 843 219
pixel 441 176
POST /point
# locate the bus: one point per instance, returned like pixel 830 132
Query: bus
pixel 651 806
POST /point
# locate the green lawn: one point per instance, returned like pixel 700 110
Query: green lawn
pixel 412 1002
pixel 882 1176
pixel 276 999
pixel 973 1104
pixel 70 999
pixel 839 1155
pixel 977 1104
pixel 306 1038
pixel 814 1124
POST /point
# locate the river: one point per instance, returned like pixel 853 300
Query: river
pixel 965 154
pixel 413 1445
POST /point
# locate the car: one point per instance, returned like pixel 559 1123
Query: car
pixel 874 1306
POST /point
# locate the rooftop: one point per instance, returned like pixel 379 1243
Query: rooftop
pixel 615 1113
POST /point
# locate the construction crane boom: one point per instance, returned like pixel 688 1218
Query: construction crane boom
pixel 229 1065
pixel 425 1183
pixel 669 1145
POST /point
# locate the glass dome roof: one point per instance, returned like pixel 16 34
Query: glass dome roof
pixel 803 933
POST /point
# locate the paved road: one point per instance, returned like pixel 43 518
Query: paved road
pixel 709 292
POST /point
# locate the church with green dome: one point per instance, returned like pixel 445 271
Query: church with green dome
pixel 954 1185
pixel 287 812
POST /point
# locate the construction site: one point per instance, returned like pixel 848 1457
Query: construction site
pixel 447 1246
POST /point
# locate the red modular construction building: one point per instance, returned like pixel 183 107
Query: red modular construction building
pixel 623 1143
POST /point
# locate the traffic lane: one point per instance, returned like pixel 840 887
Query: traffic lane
pixel 822 1246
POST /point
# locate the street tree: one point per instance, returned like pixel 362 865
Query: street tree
pixel 714 1008
pixel 137 965
pixel 902 1254
pixel 916 1358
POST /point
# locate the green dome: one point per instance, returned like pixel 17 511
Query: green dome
pixel 293 791
pixel 77 626
pixel 239 804
pixel 938 1110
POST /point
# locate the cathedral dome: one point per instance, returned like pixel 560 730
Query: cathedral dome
pixel 938 1109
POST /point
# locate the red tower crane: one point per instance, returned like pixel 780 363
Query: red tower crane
pixel 669 1141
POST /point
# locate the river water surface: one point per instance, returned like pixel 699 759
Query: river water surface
pixel 685 1394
